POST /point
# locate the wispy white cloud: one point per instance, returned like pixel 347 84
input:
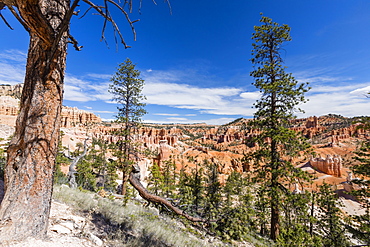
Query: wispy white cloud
pixel 110 112
pixel 364 91
pixel 215 121
pixel 177 119
pixel 250 95
pixel 73 89
pixel 84 90
pixel 194 90
pixel 346 100
pixel 166 88
pixel 333 91
pixel 14 55
pixel 99 76
pixel 167 114
pixel 12 64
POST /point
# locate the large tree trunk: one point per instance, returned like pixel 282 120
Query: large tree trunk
pixel 24 211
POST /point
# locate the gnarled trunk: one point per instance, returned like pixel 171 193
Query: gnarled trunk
pixel 25 209
pixel 144 193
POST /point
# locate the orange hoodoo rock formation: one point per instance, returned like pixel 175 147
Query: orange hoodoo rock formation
pixel 8 106
pixel 330 165
pixel 11 90
pixel 72 116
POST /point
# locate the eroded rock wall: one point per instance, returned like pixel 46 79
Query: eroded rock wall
pixel 72 116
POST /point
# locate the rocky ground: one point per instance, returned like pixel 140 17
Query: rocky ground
pixel 66 228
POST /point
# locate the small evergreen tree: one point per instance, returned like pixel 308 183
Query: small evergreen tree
pixel 330 224
pixel 185 195
pixel 212 193
pixel 361 223
pixel 126 88
pixel 196 184
pixel 2 161
pixel 61 159
pixel 104 170
pixel 295 223
pixel 191 189
pixel 170 178
pixel 235 220
pixel 156 180
pixel 86 176
pixel 280 96
pixel 262 211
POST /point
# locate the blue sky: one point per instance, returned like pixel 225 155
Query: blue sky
pixel 195 62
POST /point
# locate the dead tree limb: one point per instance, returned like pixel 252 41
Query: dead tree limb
pixel 103 11
pixel 144 193
pixel 2 6
pixel 71 170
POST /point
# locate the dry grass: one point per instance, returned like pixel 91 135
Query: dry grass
pixel 130 225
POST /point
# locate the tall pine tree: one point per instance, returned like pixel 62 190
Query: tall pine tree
pixel 127 89
pixel 280 96
pixel 361 223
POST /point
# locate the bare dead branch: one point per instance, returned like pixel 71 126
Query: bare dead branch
pixel 74 42
pixel 2 6
pixel 6 23
pixel 18 18
pixel 63 26
pixel 75 160
pixel 169 5
pixel 129 2
pixel 99 9
pixel 105 23
pixel 127 17
pixel 144 193
pixel 83 15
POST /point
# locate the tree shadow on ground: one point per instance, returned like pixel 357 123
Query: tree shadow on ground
pixel 123 234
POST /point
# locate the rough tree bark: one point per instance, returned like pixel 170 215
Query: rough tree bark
pixel 25 208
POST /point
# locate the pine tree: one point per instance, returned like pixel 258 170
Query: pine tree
pixel 262 211
pixel 280 95
pixel 330 223
pixel 2 161
pixel 184 195
pixel 156 180
pixel 197 187
pixel 59 176
pixel 105 171
pixel 361 223
pixel 170 177
pixel 235 219
pixel 127 89
pixel 86 177
pixel 212 192
pixel 295 225
pixel 191 189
